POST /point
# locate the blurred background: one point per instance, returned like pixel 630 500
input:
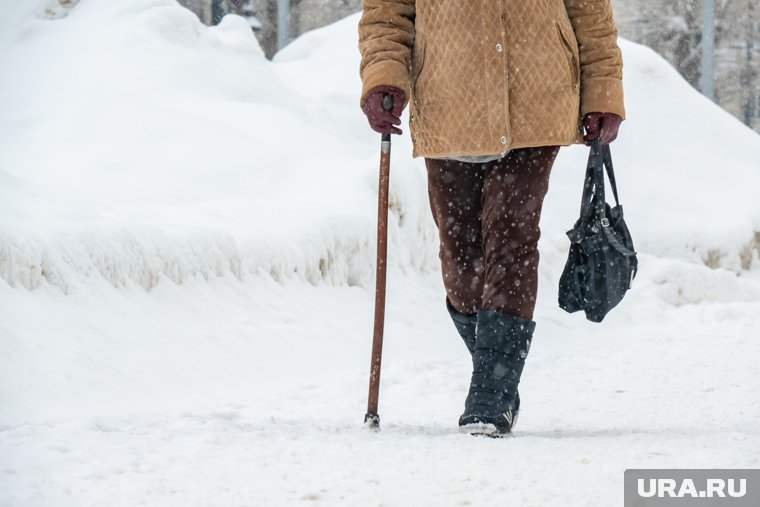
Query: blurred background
pixel 727 32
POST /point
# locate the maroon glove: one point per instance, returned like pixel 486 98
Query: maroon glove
pixel 379 119
pixel 602 125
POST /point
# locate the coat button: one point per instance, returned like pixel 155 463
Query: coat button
pixel 499 48
pixel 503 139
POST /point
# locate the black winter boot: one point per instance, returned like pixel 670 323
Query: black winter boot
pixel 502 344
pixel 466 325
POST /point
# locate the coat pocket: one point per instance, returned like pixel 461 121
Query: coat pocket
pixel 418 64
pixel 571 54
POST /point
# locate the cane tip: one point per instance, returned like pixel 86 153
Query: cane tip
pixel 372 422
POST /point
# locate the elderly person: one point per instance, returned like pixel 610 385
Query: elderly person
pixel 494 87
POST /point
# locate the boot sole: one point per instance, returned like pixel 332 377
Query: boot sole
pixel 488 429
pixel 483 429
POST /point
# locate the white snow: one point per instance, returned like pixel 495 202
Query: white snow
pixel 186 284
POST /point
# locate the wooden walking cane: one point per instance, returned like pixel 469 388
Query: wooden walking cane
pixel 372 419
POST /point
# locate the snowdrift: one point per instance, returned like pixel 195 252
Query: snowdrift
pixel 140 146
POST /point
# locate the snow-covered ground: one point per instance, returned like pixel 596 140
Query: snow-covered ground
pixel 186 263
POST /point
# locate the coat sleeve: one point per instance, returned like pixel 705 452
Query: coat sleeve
pixel 386 38
pixel 600 57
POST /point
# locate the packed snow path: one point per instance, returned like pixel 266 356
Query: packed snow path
pixel 228 427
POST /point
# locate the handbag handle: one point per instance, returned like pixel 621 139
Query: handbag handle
pixel 593 199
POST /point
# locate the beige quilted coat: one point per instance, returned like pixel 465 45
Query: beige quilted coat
pixel 485 76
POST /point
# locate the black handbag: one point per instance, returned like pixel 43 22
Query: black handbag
pixel 602 261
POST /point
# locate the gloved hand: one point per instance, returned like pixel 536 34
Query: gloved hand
pixel 602 125
pixel 379 119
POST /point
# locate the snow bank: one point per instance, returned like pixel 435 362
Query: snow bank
pixel 141 146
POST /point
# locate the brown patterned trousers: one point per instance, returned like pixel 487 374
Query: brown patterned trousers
pixel 487 217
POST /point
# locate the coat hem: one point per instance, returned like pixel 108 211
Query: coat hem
pixel 422 152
